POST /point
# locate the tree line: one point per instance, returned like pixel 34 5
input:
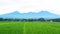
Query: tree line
pixel 39 19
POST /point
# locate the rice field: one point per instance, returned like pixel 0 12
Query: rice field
pixel 29 28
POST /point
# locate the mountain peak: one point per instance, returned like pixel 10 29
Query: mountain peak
pixel 16 12
pixel 44 12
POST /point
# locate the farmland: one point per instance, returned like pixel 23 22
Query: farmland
pixel 29 27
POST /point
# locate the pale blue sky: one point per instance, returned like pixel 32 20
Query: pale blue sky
pixel 24 6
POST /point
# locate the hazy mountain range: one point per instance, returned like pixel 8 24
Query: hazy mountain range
pixel 42 14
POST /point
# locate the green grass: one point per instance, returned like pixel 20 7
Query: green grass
pixel 29 28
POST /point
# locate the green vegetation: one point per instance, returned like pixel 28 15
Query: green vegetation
pixel 29 28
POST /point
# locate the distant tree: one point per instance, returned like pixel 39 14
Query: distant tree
pixel 41 19
pixel 1 19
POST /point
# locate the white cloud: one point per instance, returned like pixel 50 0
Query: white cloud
pixel 23 6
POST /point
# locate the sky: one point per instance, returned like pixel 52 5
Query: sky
pixel 25 6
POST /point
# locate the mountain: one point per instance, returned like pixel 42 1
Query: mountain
pixel 42 14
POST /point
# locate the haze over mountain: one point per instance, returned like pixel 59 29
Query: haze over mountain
pixel 42 14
